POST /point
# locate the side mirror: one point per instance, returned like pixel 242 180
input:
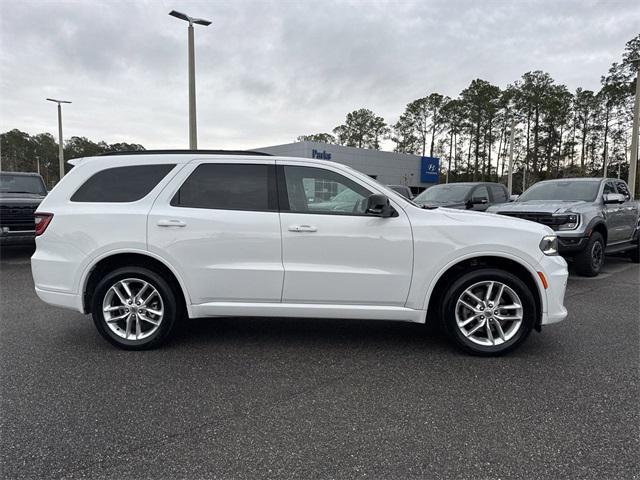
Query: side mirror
pixel 513 198
pixel 609 198
pixel 379 206
pixel 479 200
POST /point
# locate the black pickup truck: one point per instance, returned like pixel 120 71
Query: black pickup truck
pixel 20 195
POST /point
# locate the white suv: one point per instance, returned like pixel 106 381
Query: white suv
pixel 140 240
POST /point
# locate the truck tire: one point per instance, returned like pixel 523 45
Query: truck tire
pixel 589 261
pixel 634 254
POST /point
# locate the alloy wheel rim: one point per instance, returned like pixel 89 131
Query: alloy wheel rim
pixel 596 255
pixel 133 309
pixel 489 313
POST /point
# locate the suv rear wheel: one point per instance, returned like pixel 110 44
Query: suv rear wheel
pixel 134 308
pixel 588 262
pixel 488 312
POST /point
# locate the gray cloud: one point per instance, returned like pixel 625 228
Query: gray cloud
pixel 269 71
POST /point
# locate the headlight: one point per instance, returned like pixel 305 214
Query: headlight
pixel 571 222
pixel 549 245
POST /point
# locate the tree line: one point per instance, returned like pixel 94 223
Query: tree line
pixel 21 152
pixel 556 132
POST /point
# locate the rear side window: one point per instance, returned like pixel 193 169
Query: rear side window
pixel 222 186
pixel 121 184
pixel 499 193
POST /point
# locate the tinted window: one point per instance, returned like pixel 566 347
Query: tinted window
pixel 11 183
pixel 228 186
pixel 121 184
pixel 608 188
pixel 499 193
pixel 316 190
pixel 481 192
pixel 622 188
pixel 444 193
pixel 585 190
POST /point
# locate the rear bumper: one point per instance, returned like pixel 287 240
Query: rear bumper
pixel 60 299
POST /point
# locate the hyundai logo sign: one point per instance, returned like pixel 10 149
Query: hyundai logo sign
pixel 320 155
pixel 429 169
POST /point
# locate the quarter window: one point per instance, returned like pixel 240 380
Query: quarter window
pixel 316 190
pixel 229 186
pixel 121 184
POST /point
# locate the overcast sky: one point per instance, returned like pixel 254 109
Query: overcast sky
pixel 270 71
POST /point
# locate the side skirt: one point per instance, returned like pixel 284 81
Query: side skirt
pixel 307 310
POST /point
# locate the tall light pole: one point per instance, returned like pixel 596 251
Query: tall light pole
pixel 193 133
pixel 60 144
pixel 633 165
pixel 510 174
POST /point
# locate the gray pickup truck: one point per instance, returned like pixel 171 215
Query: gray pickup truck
pixel 591 216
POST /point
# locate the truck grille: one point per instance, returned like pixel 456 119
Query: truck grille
pixel 544 218
pixel 17 217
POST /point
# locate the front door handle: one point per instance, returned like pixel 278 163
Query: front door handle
pixel 171 223
pixel 302 228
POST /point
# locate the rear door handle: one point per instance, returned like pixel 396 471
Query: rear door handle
pixel 302 228
pixel 171 223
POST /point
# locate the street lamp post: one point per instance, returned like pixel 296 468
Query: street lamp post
pixel 60 144
pixel 193 133
pixel 633 165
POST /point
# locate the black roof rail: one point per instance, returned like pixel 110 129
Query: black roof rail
pixel 187 152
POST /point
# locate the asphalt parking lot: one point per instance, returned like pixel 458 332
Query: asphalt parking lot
pixel 276 398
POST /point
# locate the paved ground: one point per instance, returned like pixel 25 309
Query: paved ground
pixel 251 398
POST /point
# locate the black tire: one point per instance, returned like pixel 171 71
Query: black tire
pixel 171 308
pixel 634 254
pixel 456 289
pixel 589 261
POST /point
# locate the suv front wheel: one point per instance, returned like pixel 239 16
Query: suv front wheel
pixel 488 312
pixel 134 308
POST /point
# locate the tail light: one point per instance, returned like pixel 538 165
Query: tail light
pixel 42 222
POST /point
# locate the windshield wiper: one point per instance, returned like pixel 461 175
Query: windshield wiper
pixel 20 191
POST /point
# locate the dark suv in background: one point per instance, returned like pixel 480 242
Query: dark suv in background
pixel 464 195
pixel 20 195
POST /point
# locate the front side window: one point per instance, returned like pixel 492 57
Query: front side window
pixel 499 193
pixel 229 186
pixel 316 190
pixel 121 184
pixel 481 192
pixel 608 188
pixel 622 188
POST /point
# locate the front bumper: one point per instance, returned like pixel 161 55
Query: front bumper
pixel 570 245
pixel 16 237
pixel 556 272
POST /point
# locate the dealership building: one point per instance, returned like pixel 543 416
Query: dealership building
pixel 387 167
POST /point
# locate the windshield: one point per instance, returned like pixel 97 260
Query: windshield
pixel 21 184
pixel 586 191
pixel 444 194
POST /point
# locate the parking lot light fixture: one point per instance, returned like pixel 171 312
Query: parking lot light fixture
pixel 633 165
pixel 193 135
pixel 60 144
